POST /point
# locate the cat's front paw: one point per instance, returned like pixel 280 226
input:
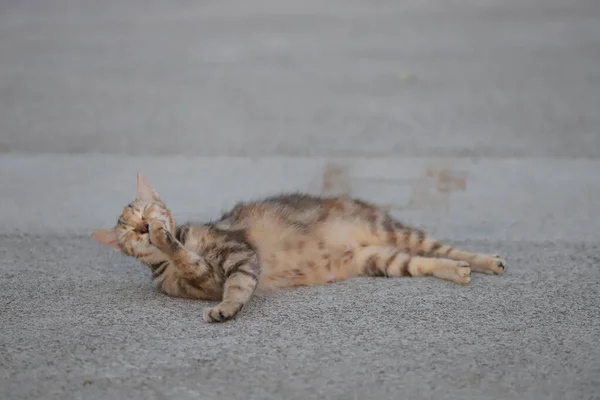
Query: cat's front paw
pixel 221 312
pixel 159 235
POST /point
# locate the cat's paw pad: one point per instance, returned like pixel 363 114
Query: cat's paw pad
pixel 221 312
pixel 463 273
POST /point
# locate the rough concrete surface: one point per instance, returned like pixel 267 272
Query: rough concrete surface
pixel 477 120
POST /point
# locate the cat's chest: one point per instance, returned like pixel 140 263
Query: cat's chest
pixel 175 282
pixel 161 269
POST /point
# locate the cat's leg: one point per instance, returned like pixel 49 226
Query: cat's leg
pixel 485 263
pixel 417 242
pixel 389 261
pixel 382 229
pixel 241 280
pixel 189 264
pixel 239 269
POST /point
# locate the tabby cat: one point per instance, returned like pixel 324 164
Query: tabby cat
pixel 279 242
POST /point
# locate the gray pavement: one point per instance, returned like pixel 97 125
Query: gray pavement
pixel 475 120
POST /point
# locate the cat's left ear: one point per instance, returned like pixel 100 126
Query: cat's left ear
pixel 145 190
pixel 107 237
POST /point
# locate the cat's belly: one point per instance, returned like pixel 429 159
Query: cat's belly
pixel 290 258
pixel 302 262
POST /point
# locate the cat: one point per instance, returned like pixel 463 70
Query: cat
pixel 283 241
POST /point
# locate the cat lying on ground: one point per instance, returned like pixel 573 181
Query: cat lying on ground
pixel 279 242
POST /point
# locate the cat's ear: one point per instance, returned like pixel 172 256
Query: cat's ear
pixel 145 190
pixel 107 237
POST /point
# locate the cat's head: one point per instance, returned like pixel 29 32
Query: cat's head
pixel 131 234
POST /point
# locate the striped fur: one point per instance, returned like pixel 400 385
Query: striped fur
pixel 280 242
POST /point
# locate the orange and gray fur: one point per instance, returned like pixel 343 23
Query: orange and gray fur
pixel 279 242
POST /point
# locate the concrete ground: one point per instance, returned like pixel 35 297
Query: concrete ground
pixel 475 120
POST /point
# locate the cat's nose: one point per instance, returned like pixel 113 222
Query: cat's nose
pixel 145 228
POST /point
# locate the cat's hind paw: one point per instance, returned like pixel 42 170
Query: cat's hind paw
pixel 489 264
pixel 463 273
pixel 497 264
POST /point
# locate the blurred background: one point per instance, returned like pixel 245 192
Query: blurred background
pixel 477 120
pixel 306 78
pixel 394 101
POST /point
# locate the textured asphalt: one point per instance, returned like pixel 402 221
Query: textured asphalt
pixel 475 120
